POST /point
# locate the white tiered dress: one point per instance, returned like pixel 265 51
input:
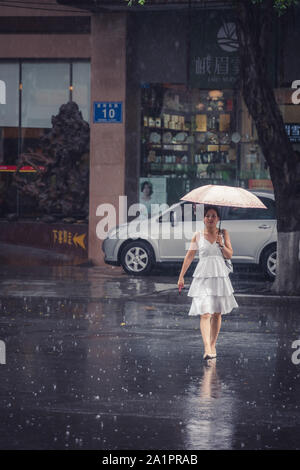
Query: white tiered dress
pixel 211 288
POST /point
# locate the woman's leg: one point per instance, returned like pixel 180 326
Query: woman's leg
pixel 216 320
pixel 206 332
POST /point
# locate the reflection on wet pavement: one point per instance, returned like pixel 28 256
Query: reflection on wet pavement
pixel 108 281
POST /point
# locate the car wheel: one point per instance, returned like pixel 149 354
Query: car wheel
pixel 269 261
pixel 137 257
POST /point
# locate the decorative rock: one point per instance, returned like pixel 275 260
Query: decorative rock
pixel 62 188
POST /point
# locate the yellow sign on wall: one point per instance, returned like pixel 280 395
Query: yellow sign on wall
pixel 64 237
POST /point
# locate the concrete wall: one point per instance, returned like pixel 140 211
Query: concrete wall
pixel 43 46
pixel 107 153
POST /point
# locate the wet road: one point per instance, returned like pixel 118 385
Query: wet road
pixel 97 360
pixel 96 282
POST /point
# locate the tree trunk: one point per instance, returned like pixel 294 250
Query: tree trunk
pixel 288 278
pixel 254 29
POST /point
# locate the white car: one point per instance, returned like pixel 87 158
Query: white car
pixel 165 238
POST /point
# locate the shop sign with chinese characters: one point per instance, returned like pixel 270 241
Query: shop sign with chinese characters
pixel 293 132
pixel 214 55
pixel 214 58
pixel 65 237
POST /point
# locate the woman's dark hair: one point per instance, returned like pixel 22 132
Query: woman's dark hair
pixel 147 183
pixel 215 208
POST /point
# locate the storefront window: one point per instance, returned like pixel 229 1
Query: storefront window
pixel 9 128
pixel 43 88
pixel 81 87
pixel 291 115
pixel 193 137
pixel 253 170
pixel 9 98
pixel 186 137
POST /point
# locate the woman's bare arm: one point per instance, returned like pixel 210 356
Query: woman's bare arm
pixel 227 250
pixel 188 259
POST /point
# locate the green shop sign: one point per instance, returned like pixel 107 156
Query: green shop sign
pixel 214 59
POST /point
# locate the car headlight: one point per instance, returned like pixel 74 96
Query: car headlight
pixel 113 233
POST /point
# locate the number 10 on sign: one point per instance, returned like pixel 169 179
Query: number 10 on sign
pixel 108 111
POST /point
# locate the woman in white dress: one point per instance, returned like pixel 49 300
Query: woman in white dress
pixel 211 289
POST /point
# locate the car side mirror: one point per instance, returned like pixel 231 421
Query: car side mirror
pixel 173 218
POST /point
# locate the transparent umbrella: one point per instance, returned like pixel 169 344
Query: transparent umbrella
pixel 217 195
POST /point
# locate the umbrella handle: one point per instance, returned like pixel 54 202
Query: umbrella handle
pixel 220 222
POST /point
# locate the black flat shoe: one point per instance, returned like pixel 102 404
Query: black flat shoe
pixel 207 357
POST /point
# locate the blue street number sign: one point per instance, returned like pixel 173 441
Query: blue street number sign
pixel 108 111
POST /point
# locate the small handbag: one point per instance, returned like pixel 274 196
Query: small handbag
pixel 228 262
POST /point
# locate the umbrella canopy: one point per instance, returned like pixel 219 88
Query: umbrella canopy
pixel 213 194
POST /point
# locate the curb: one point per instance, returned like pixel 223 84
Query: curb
pixel 171 296
pixel 267 299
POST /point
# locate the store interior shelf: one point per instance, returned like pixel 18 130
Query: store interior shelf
pixel 168 150
pixel 165 129
pixel 219 166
